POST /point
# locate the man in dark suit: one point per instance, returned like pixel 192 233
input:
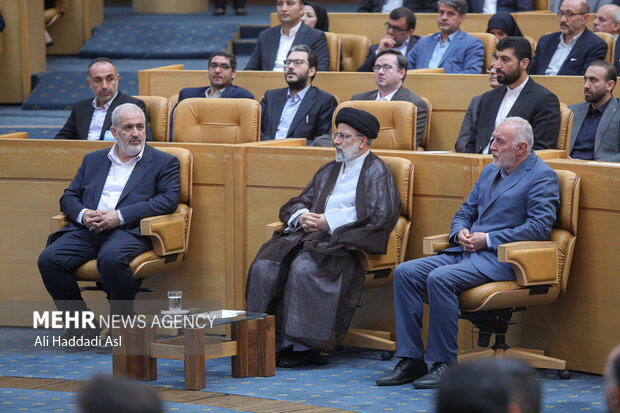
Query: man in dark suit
pixel 301 110
pixel 596 125
pixel 222 72
pixel 274 43
pixel 390 71
pixel 515 199
pixel 520 96
pixel 608 20
pixel 111 192
pixel 384 6
pixel 612 379
pixel 490 7
pixel 398 35
pixel 571 50
pixel 91 118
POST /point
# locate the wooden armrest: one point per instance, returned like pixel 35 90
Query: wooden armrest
pixel 534 262
pixel 59 221
pixel 434 243
pixel 167 233
pixel 271 228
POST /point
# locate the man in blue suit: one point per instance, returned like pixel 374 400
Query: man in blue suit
pixel 515 199
pixel 111 192
pixel 301 110
pixel 571 50
pixel 452 49
pixel 492 7
pixel 608 20
pixel 274 43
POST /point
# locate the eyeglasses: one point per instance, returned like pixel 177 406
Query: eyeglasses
pixel 295 62
pixel 223 66
pixel 568 14
pixel 395 29
pixel 386 68
pixel 343 136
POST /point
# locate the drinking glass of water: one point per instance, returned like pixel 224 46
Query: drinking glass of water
pixel 175 300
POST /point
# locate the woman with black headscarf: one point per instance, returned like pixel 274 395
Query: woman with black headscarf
pixel 502 24
pixel 315 15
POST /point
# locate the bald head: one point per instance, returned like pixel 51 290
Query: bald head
pixel 607 19
pixel 612 379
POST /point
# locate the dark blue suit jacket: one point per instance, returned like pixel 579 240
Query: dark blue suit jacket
pixel 465 53
pixel 588 48
pixel 312 120
pixel 372 56
pixel 522 208
pixel 152 189
pixel 264 54
pixel 476 6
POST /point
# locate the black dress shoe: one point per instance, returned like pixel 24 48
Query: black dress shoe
pixel 299 359
pixel 406 371
pixel 283 354
pixel 241 12
pixel 433 378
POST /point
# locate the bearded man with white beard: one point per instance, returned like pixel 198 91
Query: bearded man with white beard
pixel 305 274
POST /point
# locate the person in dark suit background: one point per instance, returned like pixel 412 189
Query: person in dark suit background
pixel 520 96
pixel 492 7
pixel 398 35
pixel 91 118
pixel 608 20
pixel 571 50
pixel 515 199
pixel 384 6
pixel 111 192
pixel 390 72
pixel 274 43
pixel 301 110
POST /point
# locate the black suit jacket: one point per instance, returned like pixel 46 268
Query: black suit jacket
pixel 588 48
pixel 535 103
pixel 372 56
pixel 375 6
pixel 617 55
pixel 264 54
pixel 312 121
pixel 476 6
pixel 78 123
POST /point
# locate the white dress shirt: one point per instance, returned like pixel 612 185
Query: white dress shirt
pixel 288 112
pixel 96 122
pixel 489 7
pixel 216 94
pixel 390 5
pixel 286 42
pixel 386 98
pixel 560 55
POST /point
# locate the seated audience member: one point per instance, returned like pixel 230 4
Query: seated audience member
pixel 111 192
pixel 520 96
pixel 494 6
pixel 274 43
pixel 305 274
pixel 315 16
pixel 596 131
pixel 471 115
pixel 2 24
pixel 515 199
pixel 608 20
pixel 490 386
pixel 390 72
pixel 502 24
pixel 571 50
pixel 452 49
pixel 91 118
pixel 301 110
pixel 222 72
pixel 612 381
pixel 386 6
pixel 104 394
pixel 398 35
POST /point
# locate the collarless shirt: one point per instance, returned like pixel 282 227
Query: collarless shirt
pixel 584 143
pixel 288 112
pixel 96 122
pixel 216 94
pixel 560 55
pixel 285 45
pixel 507 103
pixel 440 50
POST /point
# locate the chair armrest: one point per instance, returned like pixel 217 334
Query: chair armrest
pixel 534 262
pixel 167 233
pixel 271 228
pixel 434 243
pixel 59 221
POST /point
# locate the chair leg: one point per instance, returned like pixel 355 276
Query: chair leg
pixel 378 340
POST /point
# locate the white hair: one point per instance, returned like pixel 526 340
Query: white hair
pixel 125 107
pixel 523 132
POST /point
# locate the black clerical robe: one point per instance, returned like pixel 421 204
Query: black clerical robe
pixel 310 280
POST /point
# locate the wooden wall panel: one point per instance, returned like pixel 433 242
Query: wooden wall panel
pixel 75 27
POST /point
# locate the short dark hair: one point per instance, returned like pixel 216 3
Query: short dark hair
pixel 610 73
pixel 104 394
pixel 401 60
pixel 459 5
pixel 400 12
pixel 226 54
pixel 521 47
pixel 312 59
pixel 100 60
pixel 524 384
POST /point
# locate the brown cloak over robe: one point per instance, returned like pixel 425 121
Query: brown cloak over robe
pixel 309 280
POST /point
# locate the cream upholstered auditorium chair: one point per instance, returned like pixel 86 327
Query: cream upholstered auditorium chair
pixel 168 233
pixel 354 50
pixel 541 268
pixel 334 45
pixel 490 42
pixel 157 112
pixel 566 128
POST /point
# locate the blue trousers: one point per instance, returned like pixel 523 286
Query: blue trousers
pixel 442 278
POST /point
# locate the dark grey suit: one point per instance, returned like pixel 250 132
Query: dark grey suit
pixel 468 122
pixel 607 138
pixel 406 95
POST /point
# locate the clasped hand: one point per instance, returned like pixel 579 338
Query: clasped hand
pixel 98 221
pixel 312 222
pixel 472 242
